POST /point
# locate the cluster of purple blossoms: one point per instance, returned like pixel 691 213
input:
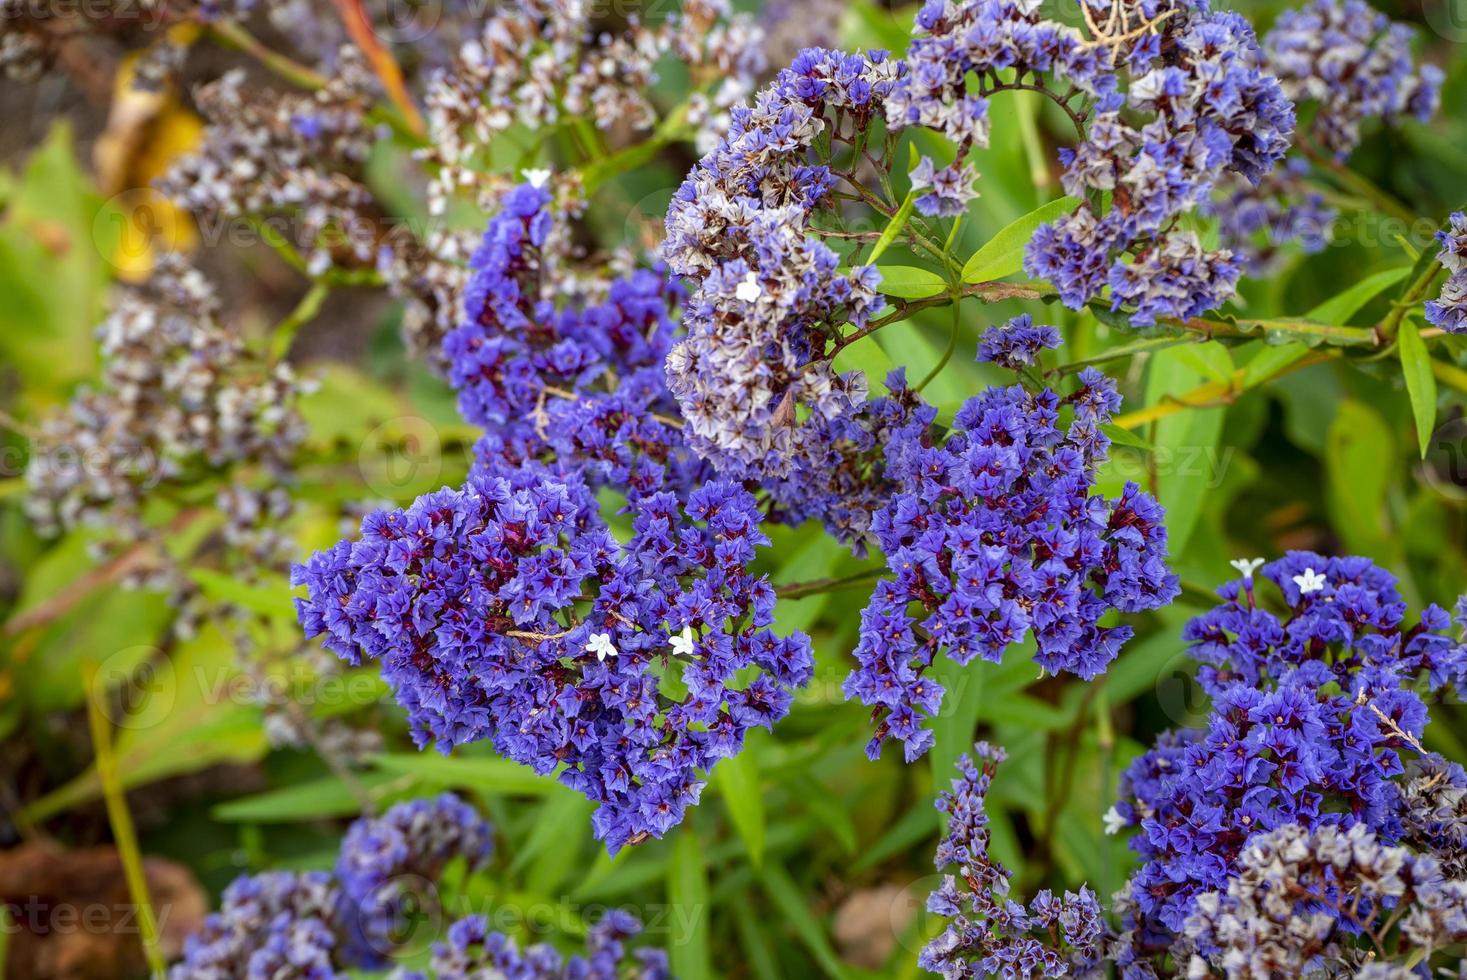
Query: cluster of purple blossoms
pixel 575 380
pixel 1449 310
pixel 1352 65
pixel 472 951
pixel 1212 109
pixel 320 925
pixel 752 377
pixel 383 862
pixel 1311 715
pixel 991 934
pixel 1302 900
pixel 1156 132
pixel 994 533
pixel 506 610
pixel 1017 343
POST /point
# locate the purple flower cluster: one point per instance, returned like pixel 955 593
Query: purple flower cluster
pixel 1352 65
pixel 991 934
pixel 383 862
pixel 506 610
pixel 1311 713
pixel 1449 310
pixel 1355 63
pixel 311 924
pixel 1017 343
pixel 1212 108
pixel 571 383
pixel 994 533
pixel 1302 899
pixel 752 377
pixel 472 952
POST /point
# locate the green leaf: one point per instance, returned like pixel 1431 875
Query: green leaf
pixel 554 846
pixel 1210 359
pixel 1420 382
pixel 1340 308
pixel 687 892
pixel 314 800
pixel 480 774
pixel 794 906
pixel 1187 462
pixel 1125 437
pixel 1270 360
pixel 1360 455
pixel 910 282
pixel 738 781
pixel 753 944
pixel 894 227
pixel 1003 254
pixel 271 600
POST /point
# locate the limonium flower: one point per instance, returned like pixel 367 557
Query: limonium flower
pixel 1302 899
pixel 1449 310
pixel 568 380
pixel 751 378
pixel 472 950
pixel 505 610
pixel 1344 64
pixel 1155 135
pixel 994 534
pixel 321 924
pixel 1354 63
pixel 992 934
pixel 1313 714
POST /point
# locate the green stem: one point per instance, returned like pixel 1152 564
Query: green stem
pixel 952 345
pixel 798 590
pixel 123 831
pixel 305 311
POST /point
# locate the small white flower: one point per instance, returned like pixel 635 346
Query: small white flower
pixel 1114 822
pixel 749 290
pixel 601 646
pixel 1247 566
pixel 682 645
pixel 537 178
pixel 1310 581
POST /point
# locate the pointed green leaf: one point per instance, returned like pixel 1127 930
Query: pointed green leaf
pixel 909 282
pixel 738 781
pixel 1340 308
pixel 794 906
pixel 1420 382
pixel 1003 254
pixel 687 892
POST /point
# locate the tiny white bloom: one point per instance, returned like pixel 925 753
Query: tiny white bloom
pixel 682 645
pixel 1114 822
pixel 601 646
pixel 537 178
pixel 1247 566
pixel 1310 581
pixel 749 290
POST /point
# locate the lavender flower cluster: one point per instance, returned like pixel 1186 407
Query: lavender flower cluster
pixel 1301 899
pixel 1351 65
pixel 992 934
pixel 472 952
pixel 1354 64
pixel 535 62
pixel 567 380
pixel 995 533
pixel 1449 310
pixel 506 610
pixel 1312 713
pixel 179 394
pixel 768 295
pixel 322 924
